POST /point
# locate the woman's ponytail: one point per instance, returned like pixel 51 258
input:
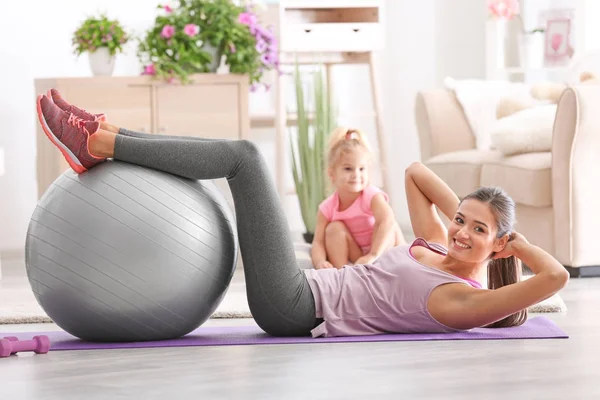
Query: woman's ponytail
pixel 502 272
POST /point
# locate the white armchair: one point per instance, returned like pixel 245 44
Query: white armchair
pixel 556 192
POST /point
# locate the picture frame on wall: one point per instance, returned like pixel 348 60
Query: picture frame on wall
pixel 559 45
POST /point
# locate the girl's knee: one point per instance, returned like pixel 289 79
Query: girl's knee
pixel 336 229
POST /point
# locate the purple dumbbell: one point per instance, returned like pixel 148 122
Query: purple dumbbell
pixel 11 345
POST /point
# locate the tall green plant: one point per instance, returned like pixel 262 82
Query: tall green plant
pixel 308 147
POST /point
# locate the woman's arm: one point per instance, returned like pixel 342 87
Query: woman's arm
pixel 317 251
pixel 424 191
pixel 474 308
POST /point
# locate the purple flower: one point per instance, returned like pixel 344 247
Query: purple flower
pixel 267 34
pixel 269 59
pixel 261 46
pixel 168 9
pixel 232 48
pixel 266 59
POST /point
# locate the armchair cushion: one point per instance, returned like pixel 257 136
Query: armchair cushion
pixel 527 131
pixel 525 177
pixel 461 170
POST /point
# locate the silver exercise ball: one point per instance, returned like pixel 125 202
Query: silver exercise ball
pixel 125 253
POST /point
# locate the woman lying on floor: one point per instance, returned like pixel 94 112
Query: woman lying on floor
pixel 429 285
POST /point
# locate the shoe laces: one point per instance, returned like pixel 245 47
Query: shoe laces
pixel 77 122
pixel 87 112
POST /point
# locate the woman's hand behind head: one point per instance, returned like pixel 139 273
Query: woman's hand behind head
pixel 515 244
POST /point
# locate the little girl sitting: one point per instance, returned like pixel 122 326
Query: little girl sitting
pixel 355 225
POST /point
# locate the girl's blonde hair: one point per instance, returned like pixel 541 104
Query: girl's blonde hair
pixel 344 139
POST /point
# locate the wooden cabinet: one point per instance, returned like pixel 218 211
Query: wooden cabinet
pixel 332 25
pixel 202 110
pixel 213 106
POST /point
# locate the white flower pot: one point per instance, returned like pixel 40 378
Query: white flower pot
pixel 216 57
pixel 532 50
pixel 101 62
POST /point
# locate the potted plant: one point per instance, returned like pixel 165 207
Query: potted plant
pixel 195 36
pixel 102 38
pixel 531 42
pixel 532 48
pixel 308 148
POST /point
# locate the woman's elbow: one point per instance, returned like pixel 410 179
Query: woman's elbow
pixel 561 277
pixel 557 279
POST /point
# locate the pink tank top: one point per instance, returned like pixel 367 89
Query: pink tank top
pixel 358 217
pixel 388 296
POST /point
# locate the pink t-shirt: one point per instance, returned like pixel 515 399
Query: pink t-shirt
pixel 388 296
pixel 358 217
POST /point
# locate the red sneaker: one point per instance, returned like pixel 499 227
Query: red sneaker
pixel 69 133
pixel 70 108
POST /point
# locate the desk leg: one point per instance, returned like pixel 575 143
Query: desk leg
pixel 377 103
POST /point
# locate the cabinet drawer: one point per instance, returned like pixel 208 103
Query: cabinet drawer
pixel 125 105
pixel 330 3
pixel 332 37
pixel 207 110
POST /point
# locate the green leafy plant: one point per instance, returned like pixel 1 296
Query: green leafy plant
pixel 536 30
pixel 308 147
pixel 193 37
pixel 96 32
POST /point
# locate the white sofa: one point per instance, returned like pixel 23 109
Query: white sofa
pixel 557 192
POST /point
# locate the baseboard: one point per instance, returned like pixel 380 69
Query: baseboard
pixel 584 272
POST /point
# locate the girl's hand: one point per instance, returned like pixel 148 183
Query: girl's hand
pixel 516 243
pixel 323 265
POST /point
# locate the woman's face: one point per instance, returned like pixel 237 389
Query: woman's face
pixel 472 233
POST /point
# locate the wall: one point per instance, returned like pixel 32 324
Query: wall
pixel 426 39
pixel 588 29
pixel 460 39
pixel 35 47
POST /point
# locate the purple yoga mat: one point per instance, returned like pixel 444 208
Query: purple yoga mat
pixel 535 328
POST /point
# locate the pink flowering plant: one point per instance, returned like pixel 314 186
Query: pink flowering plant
pixel 94 33
pixel 194 36
pixel 507 10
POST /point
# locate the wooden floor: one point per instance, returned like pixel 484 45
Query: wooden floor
pixel 510 369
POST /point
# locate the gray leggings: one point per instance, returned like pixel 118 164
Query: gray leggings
pixel 279 295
